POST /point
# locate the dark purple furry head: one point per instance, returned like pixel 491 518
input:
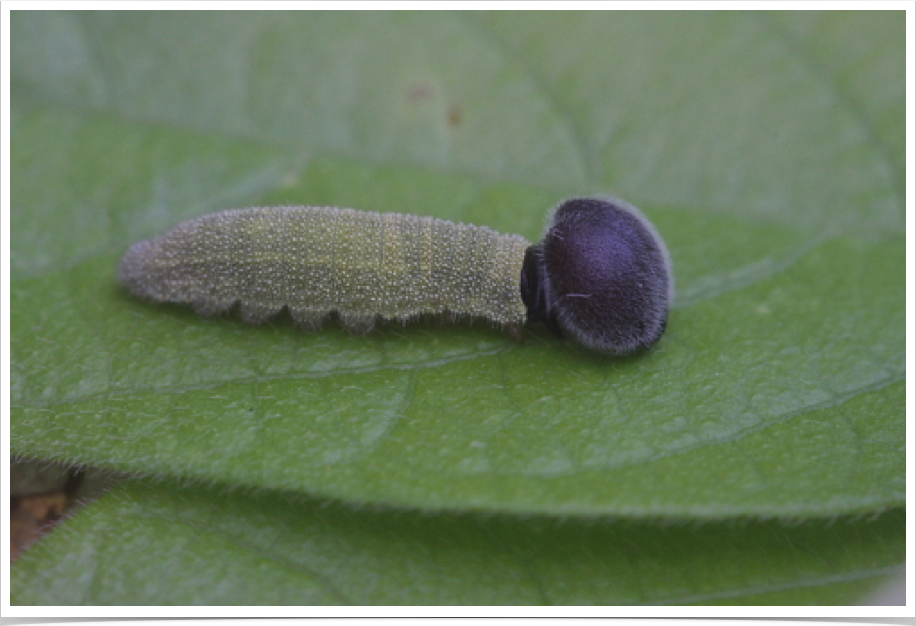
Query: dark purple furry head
pixel 601 276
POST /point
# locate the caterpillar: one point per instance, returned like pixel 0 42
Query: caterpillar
pixel 601 275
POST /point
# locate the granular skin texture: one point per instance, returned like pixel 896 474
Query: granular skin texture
pixel 318 260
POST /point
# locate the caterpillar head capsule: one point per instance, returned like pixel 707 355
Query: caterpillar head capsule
pixel 601 276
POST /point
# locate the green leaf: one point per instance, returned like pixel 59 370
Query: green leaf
pixel 767 150
pixel 196 546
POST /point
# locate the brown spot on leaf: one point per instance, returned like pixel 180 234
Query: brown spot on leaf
pixel 454 117
pixel 419 92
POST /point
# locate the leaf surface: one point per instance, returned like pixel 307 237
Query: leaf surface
pixel 762 146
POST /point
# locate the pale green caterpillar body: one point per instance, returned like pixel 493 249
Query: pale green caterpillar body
pixel 601 276
pixel 318 260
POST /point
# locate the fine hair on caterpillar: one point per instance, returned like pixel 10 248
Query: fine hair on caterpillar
pixel 601 276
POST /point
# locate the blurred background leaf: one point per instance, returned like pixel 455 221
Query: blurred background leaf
pixel 766 147
pixel 164 544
